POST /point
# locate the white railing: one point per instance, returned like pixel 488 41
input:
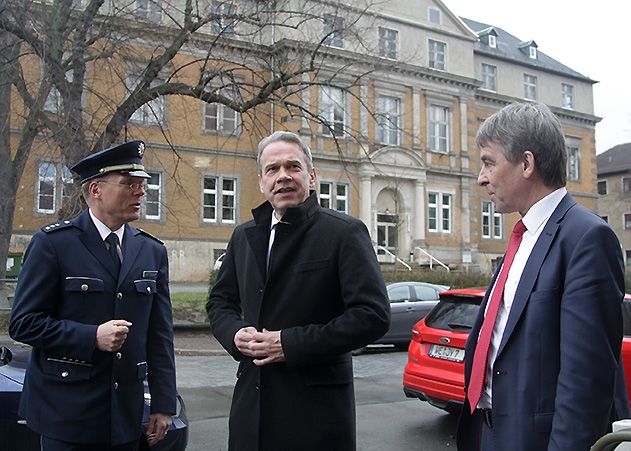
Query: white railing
pixel 395 257
pixel 432 259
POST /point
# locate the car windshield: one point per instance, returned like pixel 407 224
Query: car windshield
pixel 454 313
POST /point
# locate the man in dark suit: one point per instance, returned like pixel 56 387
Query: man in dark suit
pixel 298 289
pixel 93 302
pixel 544 377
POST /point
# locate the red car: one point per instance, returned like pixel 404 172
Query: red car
pixel 435 369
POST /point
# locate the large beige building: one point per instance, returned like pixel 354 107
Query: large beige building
pixel 406 163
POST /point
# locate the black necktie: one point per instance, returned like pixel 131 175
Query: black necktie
pixel 112 240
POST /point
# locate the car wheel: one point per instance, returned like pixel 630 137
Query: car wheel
pixel 358 351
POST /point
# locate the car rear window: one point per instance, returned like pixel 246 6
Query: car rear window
pixel 454 313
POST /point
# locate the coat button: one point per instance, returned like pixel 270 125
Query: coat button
pixel 119 296
pixel 119 355
pixel 115 385
pixel 64 374
pixel 148 289
pixel 84 287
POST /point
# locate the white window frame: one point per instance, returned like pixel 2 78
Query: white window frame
pixel 225 22
pixel 492 41
pixel 439 123
pixel 567 96
pixel 332 197
pixel 434 13
pixel 151 188
pixel 573 161
pixel 61 181
pixel 492 222
pixel 47 179
pixel 333 110
pixel 388 119
pixel 388 39
pixel 437 54
pixel 332 28
pixel 150 10
pixel 152 113
pixel 532 52
pixel 530 87
pixel 489 77
pixel 440 211
pixel 219 205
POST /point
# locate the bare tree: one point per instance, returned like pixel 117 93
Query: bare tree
pixel 124 55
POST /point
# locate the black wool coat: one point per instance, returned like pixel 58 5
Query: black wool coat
pixel 324 291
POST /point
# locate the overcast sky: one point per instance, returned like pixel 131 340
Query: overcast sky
pixel 591 38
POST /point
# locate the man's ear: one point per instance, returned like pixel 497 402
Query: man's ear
pixel 529 164
pixel 312 179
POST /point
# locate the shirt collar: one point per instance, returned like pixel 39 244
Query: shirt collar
pixel 540 212
pixel 104 230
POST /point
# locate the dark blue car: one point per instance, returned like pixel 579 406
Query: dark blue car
pixel 15 435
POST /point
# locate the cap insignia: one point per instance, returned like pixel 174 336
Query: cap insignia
pixel 141 149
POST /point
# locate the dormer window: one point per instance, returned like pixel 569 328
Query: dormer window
pixel 532 52
pixel 488 36
pixel 492 41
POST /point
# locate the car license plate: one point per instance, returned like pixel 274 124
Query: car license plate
pixel 446 353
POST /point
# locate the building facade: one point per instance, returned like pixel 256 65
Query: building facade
pixel 395 147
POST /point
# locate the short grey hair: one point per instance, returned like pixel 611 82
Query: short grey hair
pixel 519 127
pixel 289 137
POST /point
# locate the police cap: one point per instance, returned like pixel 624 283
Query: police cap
pixel 124 158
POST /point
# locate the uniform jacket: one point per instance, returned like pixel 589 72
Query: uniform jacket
pixel 325 292
pixel 67 287
pixel 555 371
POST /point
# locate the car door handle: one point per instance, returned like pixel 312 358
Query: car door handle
pixel 410 309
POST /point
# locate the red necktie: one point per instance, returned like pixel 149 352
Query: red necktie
pixel 481 354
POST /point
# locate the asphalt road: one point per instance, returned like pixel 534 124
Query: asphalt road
pixel 386 419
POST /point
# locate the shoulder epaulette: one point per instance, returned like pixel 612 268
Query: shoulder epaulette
pixel 56 226
pixel 144 232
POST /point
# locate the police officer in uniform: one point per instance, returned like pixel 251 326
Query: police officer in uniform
pixel 93 301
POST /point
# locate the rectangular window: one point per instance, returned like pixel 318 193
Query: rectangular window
pixel 626 184
pixel 149 10
pixel 573 163
pixel 489 77
pixel 567 96
pixel 153 196
pixel 66 184
pixel 492 41
pixel 438 128
pixel 46 187
pixel 627 220
pixel 433 15
pixel 151 113
pixel 491 221
pixel 530 87
pixel 334 196
pixel 437 54
pixel 332 30
pixel 602 187
pixel 219 118
pixel 439 212
pixel 218 200
pixel 627 257
pixel 332 110
pixel 388 120
pixel 388 42
pixel 225 19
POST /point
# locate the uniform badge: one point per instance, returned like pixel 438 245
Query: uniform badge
pixel 141 149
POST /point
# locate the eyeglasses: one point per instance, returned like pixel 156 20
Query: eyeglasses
pixel 131 186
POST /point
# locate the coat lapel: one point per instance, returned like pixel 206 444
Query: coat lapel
pixel 94 244
pixel 131 249
pixel 258 238
pixel 533 266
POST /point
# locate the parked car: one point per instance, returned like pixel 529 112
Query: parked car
pixel 409 302
pixel 435 369
pixel 14 433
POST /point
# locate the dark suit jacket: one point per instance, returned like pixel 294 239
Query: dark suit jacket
pixel 553 378
pixel 67 287
pixel 325 292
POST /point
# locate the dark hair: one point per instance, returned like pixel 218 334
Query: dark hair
pixel 519 127
pixel 286 137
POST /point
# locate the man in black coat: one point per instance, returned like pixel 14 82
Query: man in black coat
pixel 98 325
pixel 299 288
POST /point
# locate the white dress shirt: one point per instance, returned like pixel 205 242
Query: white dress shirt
pixel 104 231
pixel 535 220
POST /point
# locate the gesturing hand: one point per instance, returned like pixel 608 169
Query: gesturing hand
pixel 111 335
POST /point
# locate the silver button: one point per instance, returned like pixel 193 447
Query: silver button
pixel 119 296
pixel 119 355
pixel 148 289
pixel 84 287
pixel 64 374
pixel 66 222
pixel 115 385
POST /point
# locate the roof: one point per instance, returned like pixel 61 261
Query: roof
pixel 616 159
pixel 508 48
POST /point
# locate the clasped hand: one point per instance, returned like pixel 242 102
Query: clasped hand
pixel 264 347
